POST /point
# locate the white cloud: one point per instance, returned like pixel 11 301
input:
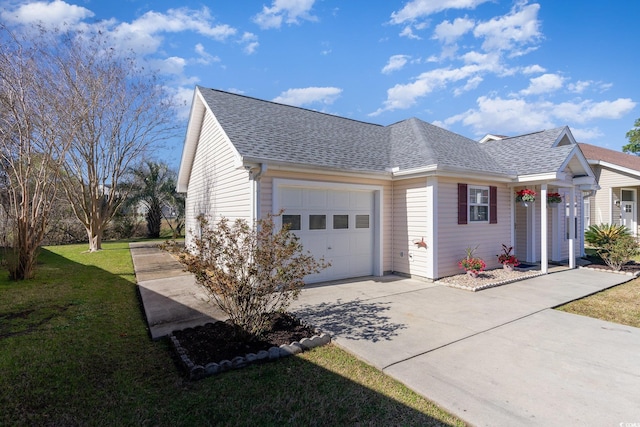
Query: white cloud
pixel 587 110
pixel 448 32
pixel 309 95
pixel 396 62
pixel 50 14
pixel 408 33
pixel 287 11
pixel 416 9
pixel 586 134
pixel 509 116
pixel 533 69
pixel 205 58
pixel 403 96
pixel 516 115
pixel 517 28
pixel 250 41
pixel 471 84
pixel 143 35
pixel 544 84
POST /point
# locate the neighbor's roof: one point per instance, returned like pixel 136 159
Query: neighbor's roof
pixel 265 131
pixel 618 158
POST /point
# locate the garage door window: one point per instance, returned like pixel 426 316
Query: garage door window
pixel 362 221
pixel 292 221
pixel 340 222
pixel 317 222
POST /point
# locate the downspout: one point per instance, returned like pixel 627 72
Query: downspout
pixel 255 191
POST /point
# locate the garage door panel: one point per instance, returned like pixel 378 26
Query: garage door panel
pixel 336 225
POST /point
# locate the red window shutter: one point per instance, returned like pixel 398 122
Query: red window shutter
pixel 462 203
pixel 493 205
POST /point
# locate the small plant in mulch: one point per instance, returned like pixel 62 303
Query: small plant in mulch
pixel 470 263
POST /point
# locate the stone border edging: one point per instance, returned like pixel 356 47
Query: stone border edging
pixel 625 273
pixel 196 372
pixel 488 285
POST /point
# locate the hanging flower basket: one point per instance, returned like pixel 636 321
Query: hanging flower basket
pixel 525 197
pixel 553 199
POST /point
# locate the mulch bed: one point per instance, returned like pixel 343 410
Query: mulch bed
pixel 598 264
pixel 218 341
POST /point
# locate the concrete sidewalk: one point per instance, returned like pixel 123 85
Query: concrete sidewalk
pixel 498 357
pixel 171 298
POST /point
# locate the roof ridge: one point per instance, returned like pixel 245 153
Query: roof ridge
pixel 288 106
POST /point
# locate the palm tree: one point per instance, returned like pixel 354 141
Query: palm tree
pixel 153 186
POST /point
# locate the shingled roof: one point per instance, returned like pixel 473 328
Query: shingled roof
pixel 265 131
pixel 594 154
pixel 533 153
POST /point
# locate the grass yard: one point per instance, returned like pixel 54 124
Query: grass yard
pixel 620 304
pixel 74 350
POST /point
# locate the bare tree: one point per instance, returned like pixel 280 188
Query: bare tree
pixel 31 149
pixel 118 111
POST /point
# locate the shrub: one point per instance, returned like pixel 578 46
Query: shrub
pixel 603 234
pixel 250 272
pixel 618 252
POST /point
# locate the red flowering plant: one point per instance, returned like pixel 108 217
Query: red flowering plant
pixel 471 263
pixel 554 198
pixel 526 195
pixel 507 257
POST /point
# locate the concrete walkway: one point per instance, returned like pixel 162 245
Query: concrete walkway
pixel 171 298
pixel 499 357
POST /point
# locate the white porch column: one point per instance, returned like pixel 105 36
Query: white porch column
pixel 544 235
pixel 572 228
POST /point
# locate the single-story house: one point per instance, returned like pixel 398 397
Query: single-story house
pixel 618 174
pixel 407 198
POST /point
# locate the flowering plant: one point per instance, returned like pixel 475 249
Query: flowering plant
pixel 554 198
pixel 471 263
pixel 507 257
pixel 526 195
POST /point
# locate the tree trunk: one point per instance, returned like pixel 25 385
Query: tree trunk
pixel 95 238
pixel 154 220
pixel 22 265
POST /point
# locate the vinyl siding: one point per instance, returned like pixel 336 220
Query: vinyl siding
pixel 410 225
pixel 454 238
pixel 216 187
pixel 603 209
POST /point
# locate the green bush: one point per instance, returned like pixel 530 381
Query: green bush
pixel 604 234
pixel 618 252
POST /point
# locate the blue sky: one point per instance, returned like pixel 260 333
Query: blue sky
pixel 472 66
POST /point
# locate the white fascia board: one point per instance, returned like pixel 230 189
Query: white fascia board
pixel 539 177
pixel 196 116
pixel 295 167
pixel 619 168
pixel 452 172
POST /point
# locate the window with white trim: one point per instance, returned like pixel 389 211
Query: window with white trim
pixel 478 203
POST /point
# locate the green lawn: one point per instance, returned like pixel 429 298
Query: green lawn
pixel 74 349
pixel 620 304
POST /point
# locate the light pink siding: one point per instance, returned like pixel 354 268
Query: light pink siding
pixel 454 238
pixel 410 225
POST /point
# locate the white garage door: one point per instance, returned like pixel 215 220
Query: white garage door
pixel 335 224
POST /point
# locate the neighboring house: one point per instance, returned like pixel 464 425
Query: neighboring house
pixel 406 198
pixel 618 174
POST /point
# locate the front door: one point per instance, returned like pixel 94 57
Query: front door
pixel 628 211
pixel 627 215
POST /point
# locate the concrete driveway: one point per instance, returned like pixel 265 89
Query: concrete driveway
pixel 499 357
